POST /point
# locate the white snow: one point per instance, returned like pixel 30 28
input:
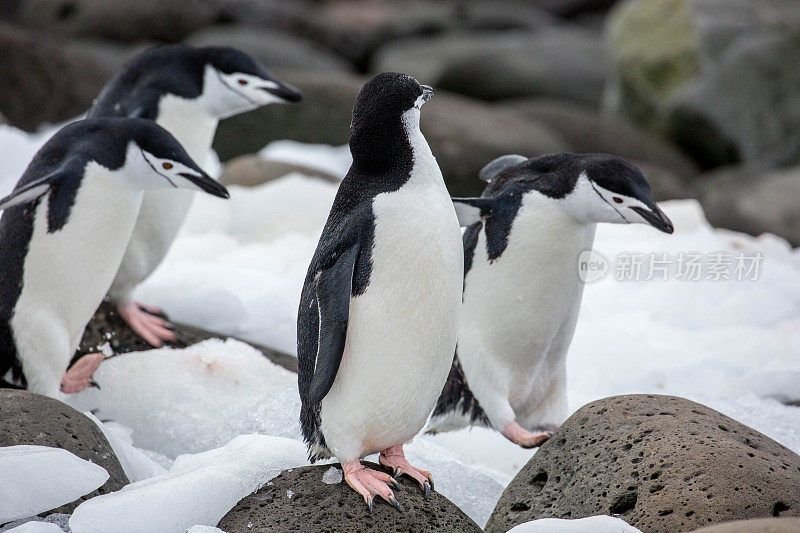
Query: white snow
pixel 591 524
pixel 204 529
pixel 136 464
pixel 35 526
pixel 39 478
pixel 225 389
pixel 334 160
pixel 198 489
pixel 332 476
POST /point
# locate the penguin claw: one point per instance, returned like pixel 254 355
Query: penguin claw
pixel 395 503
pixel 93 383
pixel 427 488
pixel 370 503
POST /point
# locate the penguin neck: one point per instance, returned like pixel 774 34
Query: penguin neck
pixel 555 229
pixel 189 123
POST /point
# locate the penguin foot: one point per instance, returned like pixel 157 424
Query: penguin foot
pixel 79 375
pixel 522 437
pixel 141 318
pixel 394 458
pixel 370 483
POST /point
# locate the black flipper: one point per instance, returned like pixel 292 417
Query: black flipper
pixel 38 187
pixel 496 166
pixel 472 210
pixel 333 287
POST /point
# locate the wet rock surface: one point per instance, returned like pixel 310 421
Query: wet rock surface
pixel 661 463
pixel 298 500
pixel 28 418
pixel 254 170
pixel 107 332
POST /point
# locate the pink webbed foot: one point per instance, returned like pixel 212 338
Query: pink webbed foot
pixel 370 483
pixel 394 458
pixel 79 375
pixel 151 328
pixel 518 435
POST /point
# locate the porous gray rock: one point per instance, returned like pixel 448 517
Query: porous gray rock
pixel 272 48
pixel 589 131
pixel 253 170
pixel 661 463
pixel 463 134
pixel 565 62
pixel 758 525
pixel 28 418
pixel 108 332
pixel 298 500
pixel 752 200
pixel 32 65
pixel 719 77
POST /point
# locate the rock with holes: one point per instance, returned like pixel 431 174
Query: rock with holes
pixel 28 418
pixel 315 499
pixel 661 463
pixel 758 525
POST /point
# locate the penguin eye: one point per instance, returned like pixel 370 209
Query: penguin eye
pixel 167 166
pixel 242 81
pixel 618 199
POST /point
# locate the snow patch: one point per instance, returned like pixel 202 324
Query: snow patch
pixel 591 524
pixel 40 478
pixel 198 489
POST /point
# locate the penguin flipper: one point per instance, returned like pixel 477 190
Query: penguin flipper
pixel 472 210
pixel 29 191
pixel 333 287
pixel 496 166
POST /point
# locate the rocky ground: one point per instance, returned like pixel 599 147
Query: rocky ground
pixel 703 94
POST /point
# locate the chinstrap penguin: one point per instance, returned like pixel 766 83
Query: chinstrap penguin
pixel 522 290
pixel 63 232
pixel 377 319
pixel 187 91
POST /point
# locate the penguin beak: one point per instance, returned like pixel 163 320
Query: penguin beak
pixel 206 183
pixel 427 93
pixel 656 218
pixel 285 92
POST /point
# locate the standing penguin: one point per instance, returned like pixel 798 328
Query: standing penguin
pixel 63 232
pixel 187 91
pixel 522 290
pixel 377 320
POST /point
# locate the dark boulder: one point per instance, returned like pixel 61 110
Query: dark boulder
pixel 661 463
pixel 299 500
pixel 108 332
pixel 46 80
pixel 28 418
pixel 464 134
pixel 758 525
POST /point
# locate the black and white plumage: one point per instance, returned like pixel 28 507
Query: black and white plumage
pixel 522 289
pixel 186 91
pixel 377 318
pixel 63 231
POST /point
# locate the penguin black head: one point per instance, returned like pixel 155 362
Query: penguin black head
pixel 221 81
pixel 139 154
pixel 385 114
pixel 592 188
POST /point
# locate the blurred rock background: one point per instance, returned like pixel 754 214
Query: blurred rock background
pixel 703 94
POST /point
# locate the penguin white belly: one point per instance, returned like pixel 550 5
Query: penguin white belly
pixel 402 329
pixel 67 273
pixel 163 211
pixel 518 315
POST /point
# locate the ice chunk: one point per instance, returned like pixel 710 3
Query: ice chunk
pixel 591 524
pixel 137 465
pixel 39 478
pixel 226 388
pixel 35 526
pixel 334 160
pixel 332 476
pixel 198 489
